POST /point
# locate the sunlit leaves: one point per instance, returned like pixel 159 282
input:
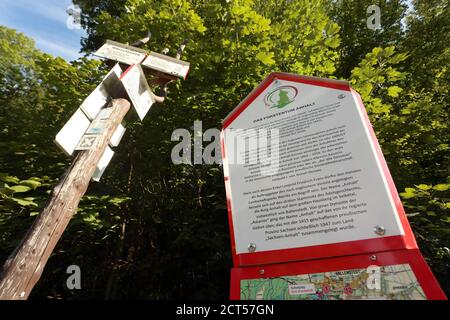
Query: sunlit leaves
pixel 393 91
pixel 266 58
pixel 15 193
pixel 24 202
pixel 33 184
pixel 20 188
pixel 374 76
pixel 441 187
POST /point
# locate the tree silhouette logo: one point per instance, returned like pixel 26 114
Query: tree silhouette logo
pixel 280 97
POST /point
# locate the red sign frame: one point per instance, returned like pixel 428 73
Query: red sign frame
pixel 406 241
pixel 412 257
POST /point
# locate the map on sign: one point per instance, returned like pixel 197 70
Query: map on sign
pixel 138 90
pixel 121 52
pixel 397 282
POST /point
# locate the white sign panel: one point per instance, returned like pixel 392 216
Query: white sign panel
pixel 121 52
pixel 99 97
pixel 117 136
pixel 95 101
pixel 138 90
pixel 102 164
pixel 72 132
pixel 167 65
pixel 316 180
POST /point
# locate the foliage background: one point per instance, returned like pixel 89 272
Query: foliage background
pixel 154 230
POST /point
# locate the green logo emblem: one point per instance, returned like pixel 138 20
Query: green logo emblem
pixel 280 97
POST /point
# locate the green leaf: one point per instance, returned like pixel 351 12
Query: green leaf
pixel 20 188
pixel 423 187
pixel 24 203
pixel 441 187
pixel 201 28
pixel 266 58
pixel 30 183
pixel 393 91
pixel 117 200
pixel 9 179
pixel 407 195
pixel 5 189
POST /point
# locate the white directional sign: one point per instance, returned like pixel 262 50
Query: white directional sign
pixel 168 65
pixel 69 136
pixel 95 101
pixel 99 97
pixel 303 169
pixel 102 164
pixel 117 136
pixel 138 90
pixel 121 52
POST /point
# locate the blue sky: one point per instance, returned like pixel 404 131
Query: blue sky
pixel 45 22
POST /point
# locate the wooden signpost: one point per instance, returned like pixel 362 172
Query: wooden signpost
pixel 25 265
pixel 308 217
pixel 89 134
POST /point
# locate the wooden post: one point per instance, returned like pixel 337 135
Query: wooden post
pixel 25 265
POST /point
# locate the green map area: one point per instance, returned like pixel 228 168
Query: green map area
pixel 395 282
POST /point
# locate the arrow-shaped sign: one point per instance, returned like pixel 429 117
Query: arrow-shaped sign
pixel 138 90
pixel 160 63
pixel 121 52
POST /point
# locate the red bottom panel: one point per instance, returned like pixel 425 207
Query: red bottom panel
pixel 390 275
